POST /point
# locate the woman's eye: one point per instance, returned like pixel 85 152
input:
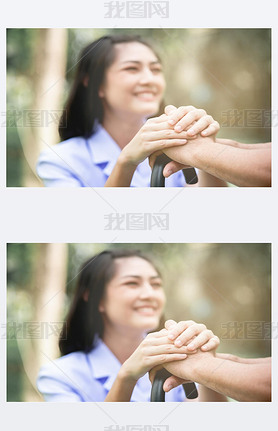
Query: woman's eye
pixel 157 70
pixel 131 69
pixel 156 285
pixel 131 283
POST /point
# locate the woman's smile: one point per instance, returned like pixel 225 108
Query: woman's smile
pixel 134 298
pixel 146 310
pixel 146 95
pixel 134 83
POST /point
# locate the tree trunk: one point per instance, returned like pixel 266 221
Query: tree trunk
pixel 41 343
pixel 48 82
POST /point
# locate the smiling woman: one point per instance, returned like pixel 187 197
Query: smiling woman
pixel 106 131
pixel 106 352
pixel 134 85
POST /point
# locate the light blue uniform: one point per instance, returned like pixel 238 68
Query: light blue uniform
pixel 80 162
pixel 83 377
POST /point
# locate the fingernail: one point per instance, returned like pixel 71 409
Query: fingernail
pixel 191 346
pixel 204 348
pixel 178 343
pixel 171 336
pixel 204 132
pixel 171 122
pixel 191 132
pixel 178 128
pixel 169 172
pixel 169 387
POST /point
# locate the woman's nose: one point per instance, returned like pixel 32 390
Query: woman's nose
pixel 146 75
pixel 146 290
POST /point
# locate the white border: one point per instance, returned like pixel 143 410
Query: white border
pixel 219 216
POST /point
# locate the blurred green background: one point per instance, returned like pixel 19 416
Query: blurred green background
pixel 223 71
pixel 210 283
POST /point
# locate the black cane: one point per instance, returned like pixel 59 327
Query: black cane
pixel 158 394
pixel 157 178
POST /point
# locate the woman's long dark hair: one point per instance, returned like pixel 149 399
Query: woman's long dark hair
pixel 84 321
pixel 84 105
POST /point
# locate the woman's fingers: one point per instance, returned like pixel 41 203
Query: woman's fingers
pixel 198 329
pixel 205 123
pixel 163 143
pixel 170 109
pixel 158 341
pixel 162 118
pixel 212 129
pixel 200 339
pixel 179 113
pixel 161 349
pixel 192 335
pixel 158 334
pixel 212 344
pixel 154 135
pixel 175 331
pixel 167 357
pixel 193 119
pixel 170 323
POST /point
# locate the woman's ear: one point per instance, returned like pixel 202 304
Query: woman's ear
pixel 86 295
pixel 86 81
pixel 101 93
pixel 101 307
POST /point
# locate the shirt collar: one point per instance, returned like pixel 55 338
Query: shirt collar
pixel 105 365
pixel 103 362
pixel 106 151
pixel 103 147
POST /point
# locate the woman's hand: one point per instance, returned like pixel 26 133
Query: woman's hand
pixel 155 349
pixel 192 120
pixel 155 135
pixel 192 335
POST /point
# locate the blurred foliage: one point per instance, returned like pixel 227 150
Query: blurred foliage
pixel 219 70
pixel 210 283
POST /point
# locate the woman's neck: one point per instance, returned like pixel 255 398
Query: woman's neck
pixel 122 343
pixel 122 128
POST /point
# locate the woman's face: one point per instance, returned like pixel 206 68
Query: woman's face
pixel 134 83
pixel 134 298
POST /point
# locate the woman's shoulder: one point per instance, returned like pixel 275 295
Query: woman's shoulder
pixel 69 147
pixel 68 378
pixel 64 364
